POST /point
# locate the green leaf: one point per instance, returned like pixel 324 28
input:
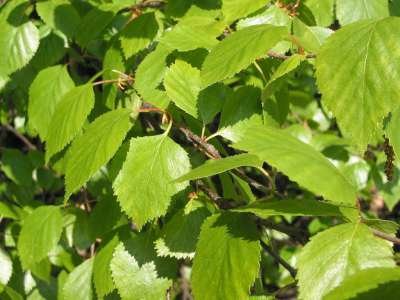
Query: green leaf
pixel 192 33
pixel 300 161
pixel 10 211
pixel 6 267
pixel 93 24
pixel 393 133
pixel 60 15
pixel 238 51
pixel 274 15
pixel 216 166
pixel 284 68
pixel 68 118
pixel 239 115
pixel 45 94
pixel 219 268
pixel 349 11
pixel 346 75
pixel 101 268
pixel 211 101
pixel 179 236
pixel 79 282
pixel 144 185
pixel 364 281
pixel 17 166
pixel 322 11
pixel 136 282
pixel 138 34
pixel 18 44
pixel 291 207
pixel 337 253
pixel 311 38
pixel 182 83
pixel 93 149
pixel 234 9
pixel 40 233
pixel 150 74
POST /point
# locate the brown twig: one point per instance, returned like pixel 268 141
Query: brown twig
pixel 386 236
pixel 279 259
pixel 22 138
pixel 283 56
pixel 150 4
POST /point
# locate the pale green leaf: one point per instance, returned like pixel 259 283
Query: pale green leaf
pixel 138 34
pixel 242 109
pixel 300 161
pixel 337 253
pixel 182 83
pixel 291 207
pixel 322 11
pixel 351 69
pixel 274 15
pixel 179 236
pixel 95 147
pixel 18 44
pixel 150 74
pixel 6 267
pixel 364 281
pixel 216 166
pixel 311 38
pixel 45 92
pixel 227 258
pixel 238 51
pixel 40 233
pixel 101 268
pixel 144 186
pixel 68 118
pixel 349 11
pixel 59 14
pixel 136 282
pixel 192 33
pixel 79 282
pixel 236 9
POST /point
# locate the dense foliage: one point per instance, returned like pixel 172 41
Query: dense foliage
pixel 231 149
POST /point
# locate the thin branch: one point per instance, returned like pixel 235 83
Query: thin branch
pixel 194 138
pixel 279 259
pixel 150 4
pixel 296 233
pixel 283 56
pixel 22 138
pixel 386 236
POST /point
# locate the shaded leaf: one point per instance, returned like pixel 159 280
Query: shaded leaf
pixel 219 270
pixel 138 34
